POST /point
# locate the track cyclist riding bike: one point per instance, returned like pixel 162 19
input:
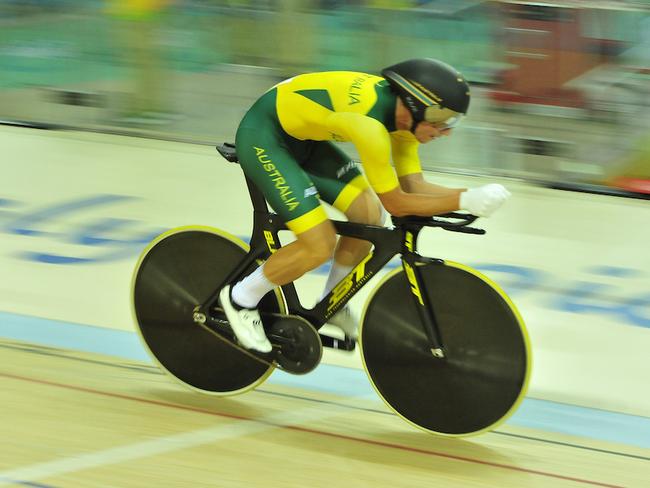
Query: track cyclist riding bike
pixel 284 144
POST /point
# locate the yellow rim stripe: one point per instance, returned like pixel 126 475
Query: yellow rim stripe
pixel 524 333
pixel 350 192
pixel 226 235
pixel 522 326
pixel 308 220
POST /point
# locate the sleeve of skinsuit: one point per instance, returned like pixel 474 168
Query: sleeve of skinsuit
pixel 405 153
pixel 372 141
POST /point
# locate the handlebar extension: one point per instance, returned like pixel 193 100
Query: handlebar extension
pixel 453 222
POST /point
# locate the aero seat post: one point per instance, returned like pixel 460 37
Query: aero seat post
pixel 266 224
pixel 257 198
pixel 229 152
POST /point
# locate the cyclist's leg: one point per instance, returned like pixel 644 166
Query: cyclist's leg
pixel 264 155
pixel 267 160
pixel 366 209
pixel 341 184
pixel 311 249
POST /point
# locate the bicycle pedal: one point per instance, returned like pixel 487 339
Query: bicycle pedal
pixel 345 344
pixel 297 346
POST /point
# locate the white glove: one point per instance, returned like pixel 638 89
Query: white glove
pixel 484 200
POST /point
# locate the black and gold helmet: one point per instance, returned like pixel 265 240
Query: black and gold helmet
pixel 431 90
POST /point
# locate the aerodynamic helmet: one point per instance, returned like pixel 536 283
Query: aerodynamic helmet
pixel 431 90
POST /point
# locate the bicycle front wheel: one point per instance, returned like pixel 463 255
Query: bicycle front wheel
pixel 485 373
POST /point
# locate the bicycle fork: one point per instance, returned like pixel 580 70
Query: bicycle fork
pixel 410 258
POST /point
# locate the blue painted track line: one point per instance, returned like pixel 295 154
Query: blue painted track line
pixel 349 382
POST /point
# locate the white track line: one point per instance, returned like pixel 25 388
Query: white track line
pixel 233 429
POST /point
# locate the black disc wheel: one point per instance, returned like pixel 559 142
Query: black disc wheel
pixel 484 374
pixel 178 271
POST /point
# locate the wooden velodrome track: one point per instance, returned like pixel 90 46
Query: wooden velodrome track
pixel 73 419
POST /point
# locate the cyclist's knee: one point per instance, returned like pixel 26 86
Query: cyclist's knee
pixel 366 209
pixel 318 243
pixel 322 250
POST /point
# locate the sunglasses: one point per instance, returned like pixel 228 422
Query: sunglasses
pixel 450 123
pixel 442 118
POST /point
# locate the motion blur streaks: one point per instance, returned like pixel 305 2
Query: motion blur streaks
pixel 560 92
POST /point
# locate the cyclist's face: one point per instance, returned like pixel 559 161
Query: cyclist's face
pixel 426 132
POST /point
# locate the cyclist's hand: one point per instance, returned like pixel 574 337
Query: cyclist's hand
pixel 484 200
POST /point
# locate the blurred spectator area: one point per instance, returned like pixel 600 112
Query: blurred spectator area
pixel 555 85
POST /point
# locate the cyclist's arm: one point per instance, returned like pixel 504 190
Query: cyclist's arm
pixel 415 183
pixel 372 141
pixel 397 202
pixel 419 197
pixel 409 170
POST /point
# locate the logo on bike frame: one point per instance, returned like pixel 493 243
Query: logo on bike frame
pixel 410 275
pixel 410 272
pixel 350 283
pixel 270 241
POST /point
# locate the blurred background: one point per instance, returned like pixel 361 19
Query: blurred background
pixel 561 89
pixel 561 99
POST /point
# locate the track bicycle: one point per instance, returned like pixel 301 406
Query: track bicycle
pixel 443 345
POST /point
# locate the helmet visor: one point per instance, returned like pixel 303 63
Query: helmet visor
pixel 442 118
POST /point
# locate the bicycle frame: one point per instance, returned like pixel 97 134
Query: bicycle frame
pixel 388 242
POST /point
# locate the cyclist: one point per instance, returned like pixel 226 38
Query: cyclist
pixel 285 145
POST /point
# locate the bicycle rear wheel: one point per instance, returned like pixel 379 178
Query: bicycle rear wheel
pixel 178 271
pixel 485 373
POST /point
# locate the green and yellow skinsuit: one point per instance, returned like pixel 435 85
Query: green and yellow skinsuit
pixel 284 144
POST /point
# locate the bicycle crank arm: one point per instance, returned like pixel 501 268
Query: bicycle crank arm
pixel 297 347
pixel 346 344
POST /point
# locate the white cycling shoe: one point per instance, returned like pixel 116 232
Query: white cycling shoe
pixel 346 320
pixel 245 323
